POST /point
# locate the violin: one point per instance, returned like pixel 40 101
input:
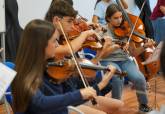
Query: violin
pixel 137 34
pixel 80 26
pixel 64 69
pixel 151 69
pixel 124 30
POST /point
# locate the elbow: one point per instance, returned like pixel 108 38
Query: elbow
pixel 95 19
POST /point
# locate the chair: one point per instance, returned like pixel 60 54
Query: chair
pixel 74 110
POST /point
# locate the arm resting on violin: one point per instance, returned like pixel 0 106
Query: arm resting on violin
pixel 76 44
pixel 162 9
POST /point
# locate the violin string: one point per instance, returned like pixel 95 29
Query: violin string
pixel 74 58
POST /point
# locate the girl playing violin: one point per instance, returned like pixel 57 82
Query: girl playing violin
pixel 34 92
pixel 120 59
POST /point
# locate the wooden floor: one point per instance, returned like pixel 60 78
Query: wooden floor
pixel 155 100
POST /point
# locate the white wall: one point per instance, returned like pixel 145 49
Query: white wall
pixel 152 4
pixel 32 9
pixel 2 16
pixel 85 7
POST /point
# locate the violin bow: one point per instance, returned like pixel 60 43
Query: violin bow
pixel 136 21
pixel 85 82
pixel 127 18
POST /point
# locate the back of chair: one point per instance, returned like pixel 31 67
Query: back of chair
pixel 74 110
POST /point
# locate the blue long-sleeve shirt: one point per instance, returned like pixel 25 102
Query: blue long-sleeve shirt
pixel 53 99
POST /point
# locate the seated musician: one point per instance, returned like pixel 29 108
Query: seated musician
pixel 115 104
pixel 66 16
pixel 61 11
pixel 119 57
pixel 33 90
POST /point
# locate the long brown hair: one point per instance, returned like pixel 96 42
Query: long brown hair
pixel 69 1
pixel 30 62
pixel 111 9
pixel 60 8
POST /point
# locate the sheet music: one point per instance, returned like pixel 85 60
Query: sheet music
pixel 6 77
pixel 155 56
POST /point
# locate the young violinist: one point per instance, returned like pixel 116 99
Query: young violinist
pixel 100 9
pixel 61 11
pixel 121 60
pixel 34 92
